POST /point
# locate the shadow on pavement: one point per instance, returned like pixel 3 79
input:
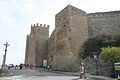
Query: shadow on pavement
pixel 75 79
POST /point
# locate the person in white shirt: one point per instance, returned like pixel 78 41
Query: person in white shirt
pixel 82 71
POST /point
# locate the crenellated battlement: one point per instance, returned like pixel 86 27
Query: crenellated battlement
pixel 37 29
pixel 39 25
pixel 104 14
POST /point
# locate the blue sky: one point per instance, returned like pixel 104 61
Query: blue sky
pixel 16 16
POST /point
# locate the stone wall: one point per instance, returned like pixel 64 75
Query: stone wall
pixel 72 28
pixel 37 45
pixel 69 34
pixel 27 50
pixel 104 23
pixel 41 37
pixel 51 48
pixel 30 48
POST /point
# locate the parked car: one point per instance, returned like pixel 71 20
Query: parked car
pixel 10 66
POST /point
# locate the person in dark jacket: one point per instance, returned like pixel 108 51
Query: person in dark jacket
pixel 21 66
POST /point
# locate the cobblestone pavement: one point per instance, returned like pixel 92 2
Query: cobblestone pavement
pixel 44 75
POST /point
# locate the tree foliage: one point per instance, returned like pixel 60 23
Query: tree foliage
pixel 111 54
pixel 91 45
pixel 95 44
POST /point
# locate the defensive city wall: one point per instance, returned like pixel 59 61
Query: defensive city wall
pixel 37 44
pixel 104 23
pixel 72 28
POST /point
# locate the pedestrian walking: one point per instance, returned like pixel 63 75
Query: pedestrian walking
pixel 82 71
pixel 15 66
pixel 48 67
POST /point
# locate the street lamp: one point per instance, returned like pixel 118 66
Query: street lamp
pixel 95 56
pixel 4 56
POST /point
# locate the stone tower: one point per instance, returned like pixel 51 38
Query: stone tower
pixel 70 32
pixel 37 45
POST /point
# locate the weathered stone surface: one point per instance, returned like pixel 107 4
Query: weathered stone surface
pixel 70 32
pixel 72 28
pixel 104 23
pixel 37 45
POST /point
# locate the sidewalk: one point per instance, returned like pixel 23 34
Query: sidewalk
pixel 60 72
pixel 89 77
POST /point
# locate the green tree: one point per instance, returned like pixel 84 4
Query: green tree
pixel 111 54
pixel 91 45
pixel 96 43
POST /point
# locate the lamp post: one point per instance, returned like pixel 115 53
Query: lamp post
pixel 95 56
pixel 4 56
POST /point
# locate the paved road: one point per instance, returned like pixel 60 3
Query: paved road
pixel 38 75
pixel 43 75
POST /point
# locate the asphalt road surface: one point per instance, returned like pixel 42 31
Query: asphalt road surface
pixel 38 75
pixel 42 74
